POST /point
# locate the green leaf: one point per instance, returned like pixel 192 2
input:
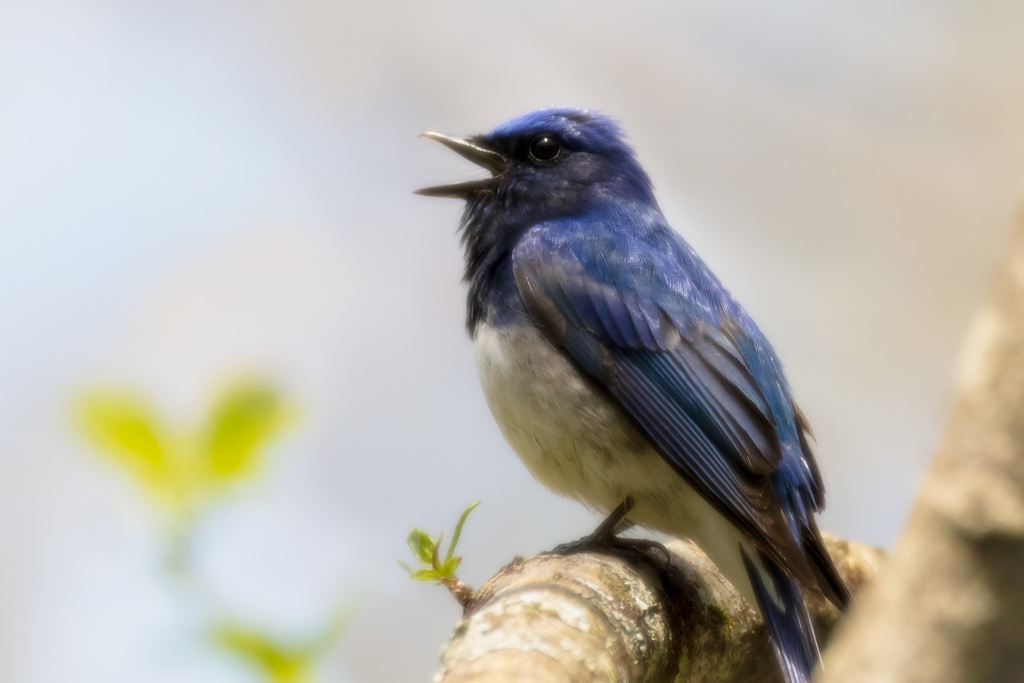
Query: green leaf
pixel 458 530
pixel 422 545
pixel 425 575
pixel 437 548
pixel 125 428
pixel 449 567
pixel 428 551
pixel 246 417
pixel 278 663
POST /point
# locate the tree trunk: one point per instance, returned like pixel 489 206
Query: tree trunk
pixel 950 605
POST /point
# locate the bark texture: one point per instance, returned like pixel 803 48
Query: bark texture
pixel 950 605
pixel 634 617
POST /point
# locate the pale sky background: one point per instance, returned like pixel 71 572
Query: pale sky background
pixel 190 190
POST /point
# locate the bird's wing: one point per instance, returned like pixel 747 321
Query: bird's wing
pixel 638 320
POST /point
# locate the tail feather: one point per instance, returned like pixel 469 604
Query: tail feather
pixel 829 581
pixel 785 617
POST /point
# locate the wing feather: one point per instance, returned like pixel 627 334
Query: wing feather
pixel 677 371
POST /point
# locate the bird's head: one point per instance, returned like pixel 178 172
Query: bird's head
pixel 548 163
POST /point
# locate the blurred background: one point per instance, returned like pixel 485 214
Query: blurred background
pixel 209 249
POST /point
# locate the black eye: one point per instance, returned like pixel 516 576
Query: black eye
pixel 544 148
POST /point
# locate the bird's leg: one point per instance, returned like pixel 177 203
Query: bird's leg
pixel 604 537
pixel 605 531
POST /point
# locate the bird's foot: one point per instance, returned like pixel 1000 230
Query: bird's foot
pixel 604 539
pixel 611 545
pixel 588 544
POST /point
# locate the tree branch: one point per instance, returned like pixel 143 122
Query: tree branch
pixel 630 618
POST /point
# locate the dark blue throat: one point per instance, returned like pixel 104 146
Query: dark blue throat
pixel 494 222
pixel 489 233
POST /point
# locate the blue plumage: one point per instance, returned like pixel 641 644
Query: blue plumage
pixel 567 238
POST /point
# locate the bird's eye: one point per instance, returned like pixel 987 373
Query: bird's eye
pixel 544 148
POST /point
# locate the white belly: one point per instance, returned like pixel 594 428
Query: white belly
pixel 579 443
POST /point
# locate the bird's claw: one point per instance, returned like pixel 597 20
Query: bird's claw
pixel 604 539
pixel 610 544
pixel 589 543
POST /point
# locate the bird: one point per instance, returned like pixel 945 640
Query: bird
pixel 626 376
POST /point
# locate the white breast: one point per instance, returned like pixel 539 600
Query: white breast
pixel 573 439
pixel 567 435
pixel 579 443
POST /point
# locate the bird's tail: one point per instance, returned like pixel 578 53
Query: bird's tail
pixel 785 615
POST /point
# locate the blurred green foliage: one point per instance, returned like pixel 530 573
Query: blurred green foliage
pixel 427 551
pixel 277 662
pixel 183 471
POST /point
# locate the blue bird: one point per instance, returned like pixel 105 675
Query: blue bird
pixel 626 376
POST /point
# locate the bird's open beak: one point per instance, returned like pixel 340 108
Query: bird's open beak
pixel 489 159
